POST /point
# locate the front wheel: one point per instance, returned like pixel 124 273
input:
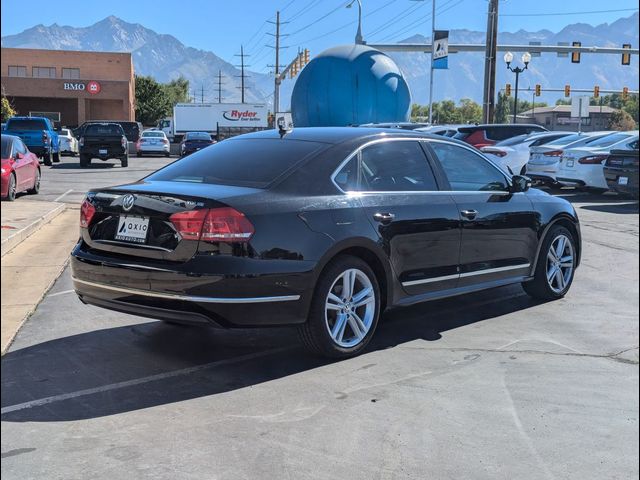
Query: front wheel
pixel 556 266
pixel 56 157
pixel 11 189
pixel 47 158
pixel 85 161
pixel 344 311
pixel 124 161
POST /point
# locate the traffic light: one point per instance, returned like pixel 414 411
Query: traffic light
pixel 626 57
pixel 567 90
pixel 596 91
pixel 306 55
pixel 300 60
pixel 575 56
pixel 294 69
pixel 625 93
pixel 507 90
pixel 538 89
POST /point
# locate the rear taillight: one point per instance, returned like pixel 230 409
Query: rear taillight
pixel 45 137
pixel 81 142
pixel 165 141
pixel 592 160
pixel 553 153
pixel 223 224
pixel 87 211
pixel 123 142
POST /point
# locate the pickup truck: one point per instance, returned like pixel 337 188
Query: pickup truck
pixel 103 141
pixel 38 135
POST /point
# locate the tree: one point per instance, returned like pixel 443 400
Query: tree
pixel 177 90
pixel 502 109
pixel 621 120
pixel 7 109
pixel 152 100
pixel 470 111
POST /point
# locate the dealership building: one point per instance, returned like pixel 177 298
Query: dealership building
pixel 69 87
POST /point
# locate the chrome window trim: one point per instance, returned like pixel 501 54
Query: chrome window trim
pixel 187 298
pixel 465 275
pixel 418 139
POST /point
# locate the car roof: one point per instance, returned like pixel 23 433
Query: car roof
pixel 470 128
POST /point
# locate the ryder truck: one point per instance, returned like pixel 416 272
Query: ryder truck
pixel 208 117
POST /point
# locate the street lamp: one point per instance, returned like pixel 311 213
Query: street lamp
pixel 508 58
pixel 359 40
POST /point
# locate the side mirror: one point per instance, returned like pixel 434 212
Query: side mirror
pixel 520 183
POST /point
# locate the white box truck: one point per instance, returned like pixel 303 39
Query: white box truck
pixel 207 117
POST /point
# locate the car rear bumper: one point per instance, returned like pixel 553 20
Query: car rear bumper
pixel 201 291
pixel 111 153
pixel 153 149
pixel 613 176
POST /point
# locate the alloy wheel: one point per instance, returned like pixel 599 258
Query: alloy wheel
pixel 350 308
pixel 560 263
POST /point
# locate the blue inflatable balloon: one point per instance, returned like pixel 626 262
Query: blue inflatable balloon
pixel 350 85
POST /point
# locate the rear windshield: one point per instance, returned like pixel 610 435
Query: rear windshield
pixel 104 130
pixel 153 134
pixel 197 136
pixel 513 141
pixel 249 162
pixel 609 140
pixel 26 125
pixel 6 147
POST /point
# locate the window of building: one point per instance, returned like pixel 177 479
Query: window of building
pixel 73 73
pixel 17 71
pixel 43 72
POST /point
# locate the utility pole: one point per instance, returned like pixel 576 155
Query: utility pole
pixel 489 91
pixel 220 86
pixel 202 93
pixel 433 43
pixel 242 75
pixel 278 81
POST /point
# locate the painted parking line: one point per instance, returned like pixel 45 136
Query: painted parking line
pixel 64 292
pixel 63 195
pixel 140 381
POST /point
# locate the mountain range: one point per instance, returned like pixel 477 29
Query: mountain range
pixel 165 57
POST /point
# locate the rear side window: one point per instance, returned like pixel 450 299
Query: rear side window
pixel 27 124
pixel 467 170
pixel 106 130
pixel 250 162
pixel 6 146
pixel 608 140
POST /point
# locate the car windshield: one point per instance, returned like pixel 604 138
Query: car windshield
pixel 6 146
pixel 608 140
pixel 153 134
pixel 198 136
pixel 107 130
pixel 27 124
pixel 65 133
pixel 249 162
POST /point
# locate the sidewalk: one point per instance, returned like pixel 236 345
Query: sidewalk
pixel 31 267
pixel 23 217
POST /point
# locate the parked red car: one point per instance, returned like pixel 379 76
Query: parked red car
pixel 485 135
pixel 20 168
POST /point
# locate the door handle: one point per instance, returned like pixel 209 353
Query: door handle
pixel 384 218
pixel 469 214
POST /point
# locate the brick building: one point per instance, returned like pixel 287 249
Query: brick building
pixel 69 87
pixel 558 117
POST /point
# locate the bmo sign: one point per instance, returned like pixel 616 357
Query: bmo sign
pixel 92 87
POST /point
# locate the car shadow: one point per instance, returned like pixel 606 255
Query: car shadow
pixel 607 203
pixel 76 165
pixel 122 369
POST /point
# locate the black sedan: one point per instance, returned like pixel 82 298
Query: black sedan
pixel 323 228
pixel 621 171
pixel 194 141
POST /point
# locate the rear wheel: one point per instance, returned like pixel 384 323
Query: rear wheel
pixel 138 154
pixel 56 157
pixel 46 158
pixel 556 266
pixel 11 189
pixel 85 161
pixel 344 311
pixel 124 161
pixel 36 184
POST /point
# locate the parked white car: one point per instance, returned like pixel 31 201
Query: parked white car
pixel 583 167
pixel 513 154
pixel 68 143
pixel 153 141
pixel 543 162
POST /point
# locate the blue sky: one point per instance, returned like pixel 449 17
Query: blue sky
pixel 221 26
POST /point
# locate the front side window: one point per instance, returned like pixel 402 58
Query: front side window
pixel 72 73
pixel 467 170
pixel 43 72
pixel 17 71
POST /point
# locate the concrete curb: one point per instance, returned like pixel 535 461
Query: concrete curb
pixel 14 240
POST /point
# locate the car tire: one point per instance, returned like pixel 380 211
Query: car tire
pixel 124 161
pixel 337 326
pixel 46 158
pixel 167 154
pixel 36 184
pixel 56 157
pixel 85 161
pixel 138 154
pixel 551 279
pixel 11 189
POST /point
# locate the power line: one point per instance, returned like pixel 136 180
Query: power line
pixel 242 74
pixel 566 13
pixel 300 12
pixel 404 13
pixel 339 7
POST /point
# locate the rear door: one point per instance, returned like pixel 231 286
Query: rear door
pixel 417 224
pixel 499 228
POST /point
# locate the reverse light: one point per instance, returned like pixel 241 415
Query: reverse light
pixel 123 142
pixel 81 142
pixel 592 160
pixel 223 224
pixel 87 211
pixel 553 153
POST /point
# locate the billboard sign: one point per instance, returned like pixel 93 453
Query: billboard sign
pixel 206 117
pixel 440 53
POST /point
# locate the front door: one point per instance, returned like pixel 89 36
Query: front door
pixel 499 238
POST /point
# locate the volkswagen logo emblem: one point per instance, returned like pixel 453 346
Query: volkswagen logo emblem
pixel 127 202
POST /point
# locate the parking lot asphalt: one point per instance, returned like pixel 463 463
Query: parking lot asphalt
pixel 489 385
